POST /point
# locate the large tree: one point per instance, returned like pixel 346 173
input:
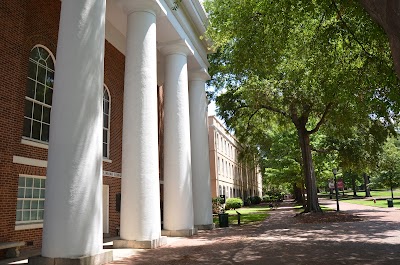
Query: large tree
pixel 302 64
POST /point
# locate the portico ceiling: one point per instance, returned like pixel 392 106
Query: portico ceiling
pixel 186 23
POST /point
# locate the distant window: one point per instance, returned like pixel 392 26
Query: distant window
pixel 106 122
pixel 39 94
pixel 30 200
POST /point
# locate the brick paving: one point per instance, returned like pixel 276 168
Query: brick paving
pixel 282 239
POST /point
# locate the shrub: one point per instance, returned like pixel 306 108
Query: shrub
pixel 233 203
pixel 216 205
pixel 255 200
pixel 266 198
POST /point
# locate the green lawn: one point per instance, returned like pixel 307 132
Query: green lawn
pixel 374 193
pixel 379 203
pixel 251 214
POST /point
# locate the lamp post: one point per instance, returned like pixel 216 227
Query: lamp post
pixel 334 171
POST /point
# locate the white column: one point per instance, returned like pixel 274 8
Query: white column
pixel 73 207
pixel 140 195
pixel 178 200
pixel 202 205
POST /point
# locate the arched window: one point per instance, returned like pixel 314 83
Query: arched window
pixel 106 122
pixel 39 94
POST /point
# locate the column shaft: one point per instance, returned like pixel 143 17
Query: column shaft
pixel 178 200
pixel 140 202
pixel 73 206
pixel 202 205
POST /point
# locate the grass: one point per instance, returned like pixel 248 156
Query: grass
pixel 249 214
pixel 379 203
pixel 374 193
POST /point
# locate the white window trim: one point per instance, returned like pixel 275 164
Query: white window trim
pixel 28 226
pixel 33 142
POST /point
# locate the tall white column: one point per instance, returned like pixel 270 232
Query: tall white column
pixel 73 207
pixel 178 199
pixel 140 195
pixel 202 204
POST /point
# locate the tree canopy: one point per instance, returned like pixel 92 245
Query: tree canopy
pixel 302 65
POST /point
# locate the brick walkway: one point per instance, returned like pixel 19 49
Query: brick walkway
pixel 281 239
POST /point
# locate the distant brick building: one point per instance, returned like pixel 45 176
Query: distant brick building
pixel 114 93
pixel 229 176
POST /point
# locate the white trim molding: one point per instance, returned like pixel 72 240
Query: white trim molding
pixel 28 226
pixel 29 161
pixel 34 143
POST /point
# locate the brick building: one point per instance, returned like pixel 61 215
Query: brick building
pixel 229 175
pixel 114 92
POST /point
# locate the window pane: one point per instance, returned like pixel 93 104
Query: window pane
pixel 40 216
pixel 42 193
pixel 27 127
pixel 105 94
pixel 45 132
pixel 105 136
pixel 19 216
pixel 105 150
pixel 36 183
pixel 46 114
pixel 41 75
pixel 105 121
pixel 30 88
pixel 21 192
pixel 36 130
pixel 41 204
pixel 34 215
pixel 37 112
pixel 19 204
pixel 36 193
pixel 21 182
pixel 35 205
pixel 29 182
pixel 49 96
pixel 50 63
pixel 32 70
pixel 106 106
pixel 39 92
pixel 28 108
pixel 27 204
pixel 26 215
pixel 50 79
pixel 43 183
pixel 43 53
pixel 28 193
pixel 35 54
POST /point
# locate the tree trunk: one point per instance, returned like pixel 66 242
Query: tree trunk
pixel 308 168
pixel 366 184
pixel 298 195
pixel 353 185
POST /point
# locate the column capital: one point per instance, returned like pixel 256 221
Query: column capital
pixel 199 74
pixel 131 6
pixel 176 47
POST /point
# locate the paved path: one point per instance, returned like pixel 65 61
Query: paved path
pixel 282 239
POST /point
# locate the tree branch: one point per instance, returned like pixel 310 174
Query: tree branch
pixel 322 120
pixel 351 32
pixel 270 108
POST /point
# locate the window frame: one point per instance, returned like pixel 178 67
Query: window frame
pixel 38 199
pixel 35 101
pixel 105 88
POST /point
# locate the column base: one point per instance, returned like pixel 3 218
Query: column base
pixel 155 243
pixel 205 227
pixel 98 259
pixel 179 233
